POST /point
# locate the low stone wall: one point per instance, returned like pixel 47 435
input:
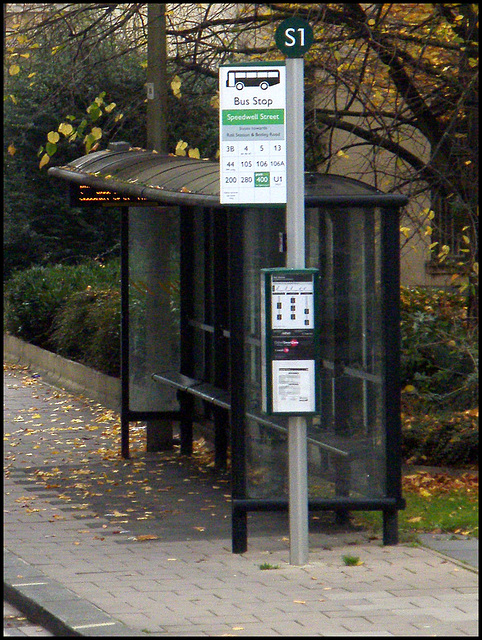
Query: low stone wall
pixel 64 374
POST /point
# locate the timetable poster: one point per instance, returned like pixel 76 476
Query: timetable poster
pixel 252 134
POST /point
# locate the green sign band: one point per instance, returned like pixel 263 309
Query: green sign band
pixel 253 116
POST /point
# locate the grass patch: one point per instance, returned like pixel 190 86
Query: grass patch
pixel 351 561
pixel 435 504
pixel 266 566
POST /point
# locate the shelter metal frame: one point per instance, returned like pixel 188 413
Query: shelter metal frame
pixel 133 174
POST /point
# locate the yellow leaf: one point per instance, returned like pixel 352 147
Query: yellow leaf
pixel 371 22
pixel 11 149
pixel 300 601
pixel 176 86
pixel 13 99
pixel 53 137
pixel 409 388
pixel 65 128
pixel 14 69
pixel 146 537
pixel 109 107
pixel 181 148
pixel 194 153
pixel 96 133
pixel 415 519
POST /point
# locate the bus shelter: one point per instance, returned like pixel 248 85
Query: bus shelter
pixel 191 327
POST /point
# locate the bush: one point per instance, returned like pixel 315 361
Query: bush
pixel 449 439
pixel 34 297
pixel 439 362
pixel 439 352
pixel 87 329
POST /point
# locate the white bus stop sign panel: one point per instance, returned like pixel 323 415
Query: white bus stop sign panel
pixel 252 133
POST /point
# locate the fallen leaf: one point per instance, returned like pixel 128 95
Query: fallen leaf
pixel 146 537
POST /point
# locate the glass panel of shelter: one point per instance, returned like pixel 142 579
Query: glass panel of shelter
pixel 154 321
pixel 344 245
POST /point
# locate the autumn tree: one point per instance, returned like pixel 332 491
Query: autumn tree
pixel 391 92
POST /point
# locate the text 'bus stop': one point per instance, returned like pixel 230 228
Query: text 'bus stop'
pixel 191 327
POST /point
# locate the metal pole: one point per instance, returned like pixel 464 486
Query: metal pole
pixel 295 234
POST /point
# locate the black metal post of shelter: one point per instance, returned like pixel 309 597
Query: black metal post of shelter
pixel 190 327
pixel 124 333
pixel 390 278
pixel 238 404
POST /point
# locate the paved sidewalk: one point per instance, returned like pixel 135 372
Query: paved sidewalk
pixel 16 624
pixel 95 545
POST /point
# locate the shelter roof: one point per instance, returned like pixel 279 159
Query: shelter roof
pixel 170 179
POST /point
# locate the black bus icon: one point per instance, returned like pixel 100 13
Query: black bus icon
pixel 262 79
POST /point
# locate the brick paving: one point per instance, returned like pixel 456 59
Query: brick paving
pixel 98 545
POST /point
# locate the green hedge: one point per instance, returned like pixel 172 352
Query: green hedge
pixel 87 329
pixel 439 352
pixel 46 306
pixel 439 371
pixel 447 439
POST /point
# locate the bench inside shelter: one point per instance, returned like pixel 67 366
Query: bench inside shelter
pixel 337 445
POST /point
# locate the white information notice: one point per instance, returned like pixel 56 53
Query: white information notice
pixel 252 129
pixel 293 386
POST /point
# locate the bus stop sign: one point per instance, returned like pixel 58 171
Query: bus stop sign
pixel 294 37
